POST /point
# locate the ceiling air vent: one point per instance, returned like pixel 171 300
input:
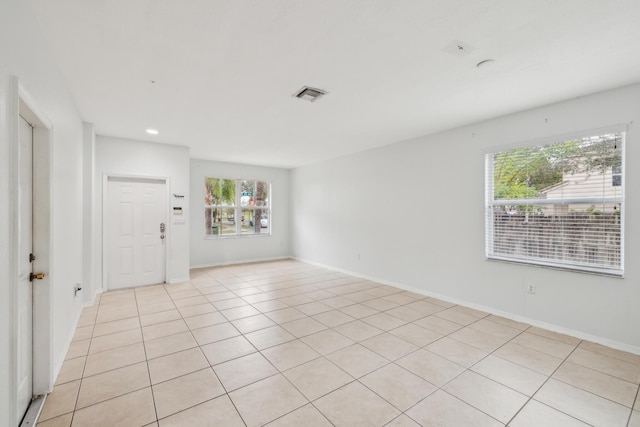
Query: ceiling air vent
pixel 310 93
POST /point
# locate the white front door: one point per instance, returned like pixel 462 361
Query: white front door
pixel 135 232
pixel 24 368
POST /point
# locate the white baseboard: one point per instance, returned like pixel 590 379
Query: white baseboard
pixel 533 322
pixel 240 261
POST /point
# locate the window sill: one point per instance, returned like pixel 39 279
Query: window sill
pixel 617 274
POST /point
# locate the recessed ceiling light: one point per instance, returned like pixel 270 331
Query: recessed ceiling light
pixel 310 93
pixel 152 131
pixel 485 63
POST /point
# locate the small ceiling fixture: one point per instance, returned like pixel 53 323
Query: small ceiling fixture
pixel 152 131
pixel 459 48
pixel 310 93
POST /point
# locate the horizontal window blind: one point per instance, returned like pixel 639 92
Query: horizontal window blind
pixel 558 204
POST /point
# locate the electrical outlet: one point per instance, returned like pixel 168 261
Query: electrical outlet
pixel 531 288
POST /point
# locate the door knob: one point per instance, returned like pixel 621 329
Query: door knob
pixel 36 276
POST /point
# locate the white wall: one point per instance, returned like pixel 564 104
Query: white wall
pixel 24 53
pixel 412 213
pixel 219 251
pixel 115 156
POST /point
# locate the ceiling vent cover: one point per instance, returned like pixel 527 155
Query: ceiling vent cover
pixel 310 93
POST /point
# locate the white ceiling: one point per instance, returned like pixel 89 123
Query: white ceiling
pixel 225 70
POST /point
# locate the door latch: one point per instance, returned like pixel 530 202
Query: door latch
pixel 36 276
pixel 32 257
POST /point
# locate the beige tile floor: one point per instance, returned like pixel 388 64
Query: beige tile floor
pixel 290 344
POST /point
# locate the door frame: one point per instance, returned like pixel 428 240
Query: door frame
pixel 42 350
pixel 105 226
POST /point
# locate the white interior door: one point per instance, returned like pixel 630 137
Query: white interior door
pixel 135 233
pixel 24 366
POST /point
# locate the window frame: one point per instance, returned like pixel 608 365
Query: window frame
pixel 491 203
pixel 238 208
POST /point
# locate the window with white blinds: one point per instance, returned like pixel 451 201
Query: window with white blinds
pixel 558 204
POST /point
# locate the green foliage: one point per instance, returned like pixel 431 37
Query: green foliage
pixel 523 173
pixel 219 191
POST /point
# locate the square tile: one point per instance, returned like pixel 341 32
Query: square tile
pixel 226 304
pixel 253 323
pixel 61 400
pixel 290 354
pixel 268 337
pixel 164 329
pixel 536 414
pixel 389 346
pixel 224 350
pixel 478 339
pixel 244 370
pixel 239 312
pixel 208 319
pixel 510 374
pixel 615 367
pixel 608 351
pixel 107 385
pixel 176 364
pixel 438 325
pixel 167 305
pixel 114 359
pixel 215 412
pixel 115 340
pixel 488 396
pixel 303 327
pixel 595 382
pixel 358 330
pixel 333 318
pixel 398 386
pixel 268 305
pixel 317 378
pixel 78 349
pixel 313 308
pixel 186 391
pixel 357 360
pixel 266 400
pixel 171 344
pixel 214 333
pixel 383 321
pixel 327 341
pixel 191 301
pixel 358 311
pixel 402 421
pixel 61 421
pixel 135 408
pixel 441 409
pixel 356 405
pixel 431 367
pixel 499 330
pixel 285 315
pixel 415 334
pixel 582 405
pixel 160 317
pixel 72 369
pixel 543 344
pixel 456 351
pixel 115 326
pixel 405 313
pixel 308 416
pixel 529 358
pixel 195 310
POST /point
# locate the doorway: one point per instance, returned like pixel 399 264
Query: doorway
pixel 31 295
pixel 136 232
